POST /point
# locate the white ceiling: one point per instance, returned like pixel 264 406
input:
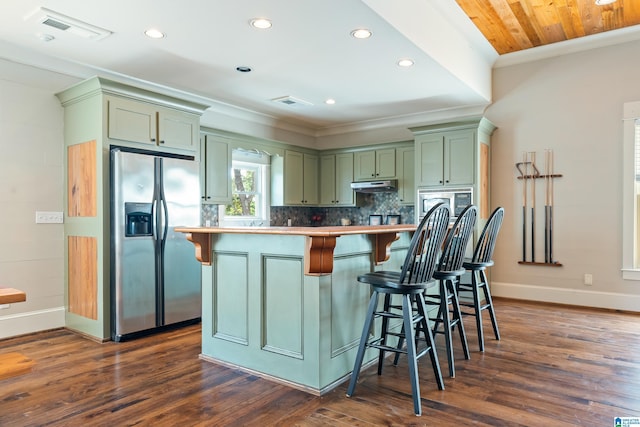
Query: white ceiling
pixel 307 54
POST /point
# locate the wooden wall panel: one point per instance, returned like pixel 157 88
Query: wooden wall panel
pixel 81 180
pixel 484 181
pixel 83 276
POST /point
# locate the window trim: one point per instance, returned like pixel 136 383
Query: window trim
pixel 264 217
pixel 631 114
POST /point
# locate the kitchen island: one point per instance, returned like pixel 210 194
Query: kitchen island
pixel 284 302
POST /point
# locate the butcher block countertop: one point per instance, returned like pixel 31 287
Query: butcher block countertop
pixel 10 296
pixel 303 231
pixel 321 241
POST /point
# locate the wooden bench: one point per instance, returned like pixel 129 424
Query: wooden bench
pixel 12 364
pixel 10 296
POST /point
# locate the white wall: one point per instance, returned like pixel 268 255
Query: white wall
pixel 31 179
pixel 572 104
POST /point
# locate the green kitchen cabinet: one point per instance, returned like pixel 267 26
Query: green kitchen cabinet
pixel 449 154
pixel 98 114
pixel 405 168
pixel 336 175
pixel 215 167
pixel 374 164
pixel 148 123
pixel 446 159
pixel 294 179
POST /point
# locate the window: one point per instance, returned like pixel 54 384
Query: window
pixel 250 196
pixel 631 192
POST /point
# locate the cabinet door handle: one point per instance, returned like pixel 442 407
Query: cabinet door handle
pixel 161 141
pixel 153 140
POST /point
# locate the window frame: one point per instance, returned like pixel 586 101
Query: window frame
pixel 631 119
pixel 261 163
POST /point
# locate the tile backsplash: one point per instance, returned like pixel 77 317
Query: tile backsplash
pixel 370 204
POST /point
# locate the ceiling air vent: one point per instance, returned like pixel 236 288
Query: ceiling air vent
pixel 69 25
pixel 291 101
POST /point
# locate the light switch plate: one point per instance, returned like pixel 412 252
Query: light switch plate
pixel 49 217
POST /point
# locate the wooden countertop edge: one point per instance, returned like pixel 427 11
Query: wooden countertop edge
pixel 303 231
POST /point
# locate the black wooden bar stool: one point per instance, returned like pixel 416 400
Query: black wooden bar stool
pixel 482 258
pixel 409 284
pixel 447 273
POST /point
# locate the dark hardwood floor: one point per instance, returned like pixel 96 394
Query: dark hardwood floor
pixel 555 365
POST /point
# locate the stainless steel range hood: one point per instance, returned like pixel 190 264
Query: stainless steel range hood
pixel 382 186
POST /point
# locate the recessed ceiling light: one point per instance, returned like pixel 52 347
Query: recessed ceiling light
pixel 260 23
pixel 330 101
pixel 603 2
pixel 361 33
pixel 154 33
pixel 243 69
pixel 405 62
pixel 45 37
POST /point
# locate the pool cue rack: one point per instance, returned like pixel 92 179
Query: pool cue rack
pixel 530 175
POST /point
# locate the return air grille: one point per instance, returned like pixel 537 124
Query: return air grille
pixel 291 101
pixel 68 24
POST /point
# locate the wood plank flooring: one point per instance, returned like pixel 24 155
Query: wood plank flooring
pixel 554 366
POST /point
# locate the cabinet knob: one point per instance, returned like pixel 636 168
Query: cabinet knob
pixel 161 141
pixel 440 181
pixel 153 140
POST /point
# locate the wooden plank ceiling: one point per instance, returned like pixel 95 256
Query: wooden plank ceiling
pixel 513 25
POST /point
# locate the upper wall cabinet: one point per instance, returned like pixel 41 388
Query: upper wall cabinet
pixel 336 175
pixel 446 159
pixel 215 169
pixel 374 164
pixel 405 168
pixel 294 179
pixel 151 124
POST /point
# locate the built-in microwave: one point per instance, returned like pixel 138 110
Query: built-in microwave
pixel 455 198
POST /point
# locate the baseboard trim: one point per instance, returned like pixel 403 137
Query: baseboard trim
pixel 586 298
pixel 31 321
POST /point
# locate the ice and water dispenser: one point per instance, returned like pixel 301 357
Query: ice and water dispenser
pixel 138 219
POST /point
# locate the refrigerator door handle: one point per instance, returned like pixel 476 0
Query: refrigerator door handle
pixel 165 220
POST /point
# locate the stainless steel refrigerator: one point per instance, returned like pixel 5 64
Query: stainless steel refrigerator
pixel 155 278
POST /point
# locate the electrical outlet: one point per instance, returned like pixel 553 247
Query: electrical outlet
pixel 49 217
pixel 588 279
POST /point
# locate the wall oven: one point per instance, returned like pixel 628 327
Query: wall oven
pixel 455 198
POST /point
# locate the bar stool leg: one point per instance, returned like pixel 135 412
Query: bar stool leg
pixel 489 303
pixel 385 329
pixel 477 309
pixel 373 303
pixel 457 318
pixel 407 316
pixel 443 314
pixel 435 363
